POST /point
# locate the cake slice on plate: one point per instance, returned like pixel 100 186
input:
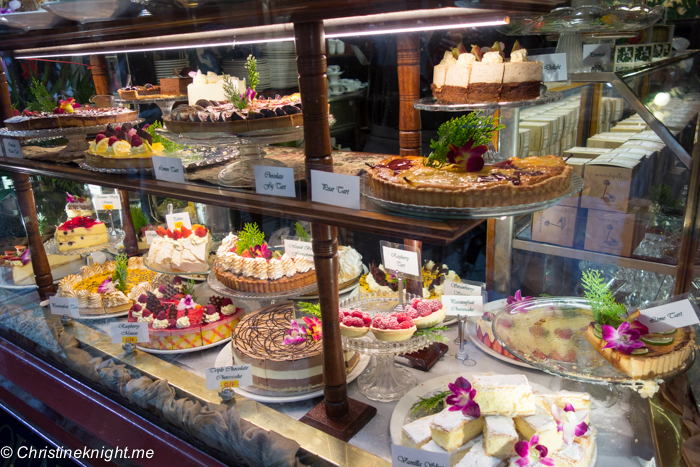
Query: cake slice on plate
pixel 452 429
pixel 417 433
pixel 80 232
pixel 499 436
pixel 543 425
pixel 503 395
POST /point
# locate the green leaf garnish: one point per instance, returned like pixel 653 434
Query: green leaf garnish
pixel 188 289
pixel 168 145
pixel 120 271
pixel 253 75
pixel 459 131
pixel 434 333
pixel 605 309
pixel 428 404
pixel 249 237
pixel 300 231
pixel 41 99
pixel 233 94
pixel 310 308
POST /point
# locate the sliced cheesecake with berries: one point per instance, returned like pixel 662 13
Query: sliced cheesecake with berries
pixel 80 232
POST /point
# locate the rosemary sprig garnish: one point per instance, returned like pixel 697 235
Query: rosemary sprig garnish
pixel 428 404
pixel 310 308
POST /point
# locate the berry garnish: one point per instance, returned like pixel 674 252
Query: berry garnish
pixel 136 141
pixel 112 140
pixel 99 138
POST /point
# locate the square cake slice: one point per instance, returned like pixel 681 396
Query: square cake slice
pixel 503 395
pixel 543 425
pixel 577 454
pixel 477 457
pixel 417 433
pixel 457 454
pixel 579 400
pixel 499 436
pixel 451 430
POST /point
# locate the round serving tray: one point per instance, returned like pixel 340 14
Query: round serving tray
pixel 176 352
pixel 58 132
pixel 236 127
pixel 572 314
pixel 225 358
pixel 431 104
pixel 440 213
pixel 114 240
pixel 220 288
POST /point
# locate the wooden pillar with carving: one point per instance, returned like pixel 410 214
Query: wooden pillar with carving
pixel 337 415
pixel 100 76
pixel 27 208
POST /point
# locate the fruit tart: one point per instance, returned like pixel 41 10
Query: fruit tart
pixel 123 147
pixel 426 313
pixel 393 328
pixel 354 323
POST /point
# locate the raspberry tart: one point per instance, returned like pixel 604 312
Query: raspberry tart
pixel 393 328
pixel 426 313
pixel 354 323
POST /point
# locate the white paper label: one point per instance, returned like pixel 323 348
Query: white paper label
pixel 458 288
pixel 12 148
pixel 150 235
pixel 670 315
pixel 553 66
pixel 596 55
pixel 168 169
pixel 408 457
pixel 335 189
pixel 64 306
pixel 107 202
pixel 404 261
pixel 459 305
pixel 128 332
pixel 297 247
pixel 229 377
pixel 178 220
pixel 278 181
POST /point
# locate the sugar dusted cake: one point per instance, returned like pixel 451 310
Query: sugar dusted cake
pixel 543 425
pixel 477 457
pixel 503 395
pixel 499 436
pixel 579 400
pixel 417 433
pixel 451 429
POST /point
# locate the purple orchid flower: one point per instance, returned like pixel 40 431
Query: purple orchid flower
pixel 186 303
pixel 296 334
pixel 467 156
pixel 250 94
pixel 107 286
pixel 639 327
pixel 70 198
pixel 532 450
pixel 517 298
pixel 462 398
pixel 624 338
pixel 262 251
pixel 25 257
pixel 570 421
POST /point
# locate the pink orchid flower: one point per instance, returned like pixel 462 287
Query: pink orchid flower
pixel 296 334
pixel 462 398
pixel 262 251
pixel 624 338
pixel 25 257
pixel 532 450
pixel 70 198
pixel 250 94
pixel 570 421
pixel 107 286
pixel 468 156
pixel 313 328
pixel 517 298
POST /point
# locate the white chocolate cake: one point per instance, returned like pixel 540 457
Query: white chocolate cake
pixel 503 395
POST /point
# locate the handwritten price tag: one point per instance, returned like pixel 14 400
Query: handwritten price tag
pixel 297 247
pixel 107 202
pixel 596 55
pixel 336 189
pixel 458 288
pixel 459 305
pixel 553 66
pixel 150 235
pixel 229 377
pixel 178 220
pixel 405 456
pixel 121 333
pixel 278 181
pixel 405 261
pixel 12 148
pixel 168 169
pixel 670 315
pixel 64 306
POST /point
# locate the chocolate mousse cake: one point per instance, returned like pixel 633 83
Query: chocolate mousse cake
pixel 258 340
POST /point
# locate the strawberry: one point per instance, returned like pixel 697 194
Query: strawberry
pixel 177 235
pixel 112 140
pixel 169 233
pixel 161 231
pixel 27 112
pixel 195 315
pixel 15 113
pixel 201 231
pixel 185 231
pixel 99 137
pixel 539 354
pixel 496 346
pixel 118 129
pixel 245 254
pixel 405 325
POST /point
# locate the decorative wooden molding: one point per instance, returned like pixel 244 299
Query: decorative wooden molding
pixel 408 61
pixel 98 66
pixel 5 101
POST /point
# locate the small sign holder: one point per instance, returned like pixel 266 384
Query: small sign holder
pixel 462 353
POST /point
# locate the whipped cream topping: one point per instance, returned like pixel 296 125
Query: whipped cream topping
pixel 160 323
pixel 302 264
pixel 248 269
pixel 350 264
pixel 115 299
pixel 287 264
pixel 228 310
pixel 149 320
pixel 260 268
pixel 519 56
pixel 276 270
pixel 181 323
pixel 137 314
pixel 492 57
pixel 212 318
pixel 466 59
pixel 448 58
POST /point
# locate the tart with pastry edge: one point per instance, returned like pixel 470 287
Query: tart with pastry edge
pixel 393 328
pixel 405 179
pixel 354 323
pixel 123 147
pixel 81 117
pixel 426 313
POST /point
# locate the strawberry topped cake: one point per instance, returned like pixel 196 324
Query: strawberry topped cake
pixel 181 250
pixel 354 323
pixel 393 327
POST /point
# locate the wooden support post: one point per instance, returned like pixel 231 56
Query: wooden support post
pixel 25 197
pixel 408 61
pixel 5 101
pixel 131 245
pixel 98 66
pixel 337 415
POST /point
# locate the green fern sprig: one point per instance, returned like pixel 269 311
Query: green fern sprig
pixel 41 99
pixel 249 237
pixel 188 289
pixel 120 272
pixel 233 93
pixel 310 308
pixel 605 309
pixel 301 232
pixel 429 404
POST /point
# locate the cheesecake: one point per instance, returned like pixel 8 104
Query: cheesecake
pixel 80 232
pixel 452 429
pixel 503 395
pixel 417 433
pixel 543 425
pixel 499 436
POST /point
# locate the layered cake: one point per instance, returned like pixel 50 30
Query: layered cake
pixel 84 116
pixel 177 322
pixel 139 92
pixel 80 232
pixel 181 250
pixel 296 366
pixel 176 85
pixel 548 436
pixel 78 206
pixel 16 266
pixel 210 87
pixel 96 289
pixel 246 263
pixel 483 75
pixel 123 147
pixel 406 179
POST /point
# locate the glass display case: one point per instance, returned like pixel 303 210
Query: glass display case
pixel 268 235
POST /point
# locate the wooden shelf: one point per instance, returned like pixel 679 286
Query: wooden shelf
pixel 366 219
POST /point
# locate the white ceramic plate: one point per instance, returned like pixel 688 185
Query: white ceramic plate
pixel 175 352
pixel 225 358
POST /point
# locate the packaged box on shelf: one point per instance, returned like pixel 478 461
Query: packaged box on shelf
pixel 555 225
pixel 609 232
pixel 568 116
pixel 609 140
pixel 585 153
pixel 620 128
pixel 645 176
pixel 554 125
pixel 661 161
pixel 555 149
pixel 650 135
pixel 615 109
pixel 578 165
pixel 611 183
pixel 539 134
pixel 524 142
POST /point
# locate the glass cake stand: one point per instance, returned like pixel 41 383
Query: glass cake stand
pixel 509 112
pixel 76 137
pixel 220 288
pixel 115 238
pixel 386 381
pixel 164 270
pixel 437 212
pixel 164 103
pixel 561 348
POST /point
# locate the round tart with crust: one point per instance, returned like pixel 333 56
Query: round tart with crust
pixel 354 323
pixel 393 328
pixel 511 182
pixel 426 313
